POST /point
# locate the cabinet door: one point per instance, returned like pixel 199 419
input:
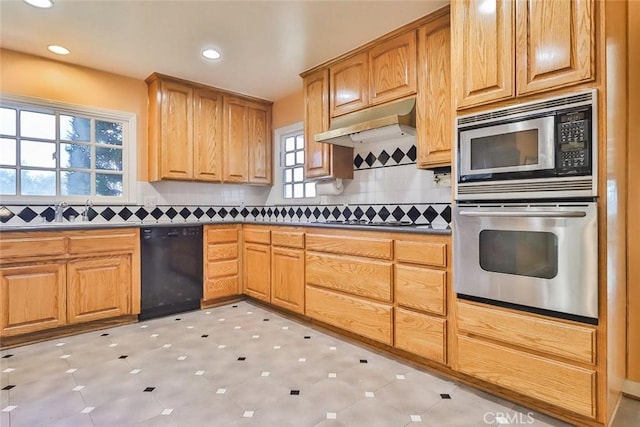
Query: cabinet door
pixel 32 298
pixel 98 288
pixel 483 51
pixel 235 141
pixel 349 85
pixel 322 160
pixel 433 119
pixel 207 133
pixel 287 279
pixel 421 334
pixel 176 147
pixel 555 44
pixel 257 271
pixel 259 144
pixel 392 69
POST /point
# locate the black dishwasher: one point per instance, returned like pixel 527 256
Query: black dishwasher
pixel 171 267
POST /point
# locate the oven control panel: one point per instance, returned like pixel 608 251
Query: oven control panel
pixel 574 141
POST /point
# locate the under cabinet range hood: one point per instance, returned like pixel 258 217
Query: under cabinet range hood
pixel 384 122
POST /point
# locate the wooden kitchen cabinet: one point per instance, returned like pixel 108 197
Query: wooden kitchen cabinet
pixel 221 261
pixel 392 69
pixel 510 48
pixel 259 140
pixel 208 135
pixel 256 259
pixel 434 133
pixel 349 85
pixel 421 334
pixel 322 160
pixel 33 298
pixel 287 268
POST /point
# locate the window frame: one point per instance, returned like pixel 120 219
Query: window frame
pixel 283 134
pixel 129 148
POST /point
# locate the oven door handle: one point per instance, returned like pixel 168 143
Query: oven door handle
pixel 537 214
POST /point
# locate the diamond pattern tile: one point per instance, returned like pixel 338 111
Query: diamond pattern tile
pixel 27 214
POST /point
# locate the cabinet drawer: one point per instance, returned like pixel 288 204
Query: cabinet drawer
pixel 366 318
pixel 557 383
pixel 221 287
pixel 366 278
pixel 575 342
pixel 222 269
pixel 257 235
pixel 17 246
pixel 222 235
pixel 349 245
pixel 87 242
pixel 289 239
pixel 222 251
pixel 421 288
pixel 421 334
pixel 422 253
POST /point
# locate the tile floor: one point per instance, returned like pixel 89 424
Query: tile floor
pixel 231 366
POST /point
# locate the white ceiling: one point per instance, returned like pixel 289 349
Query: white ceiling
pixel 264 44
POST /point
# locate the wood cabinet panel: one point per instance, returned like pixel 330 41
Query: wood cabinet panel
pixel 434 135
pixel 218 287
pixel 351 245
pixel 257 271
pixel 420 334
pixel 349 85
pixel 90 241
pixel 257 234
pixel 362 277
pixel 221 235
pixel 369 319
pixel 218 269
pixel 21 245
pixel 33 298
pixel 259 140
pixel 98 288
pixel 177 135
pixel 221 251
pixel 557 383
pixel 392 69
pixel 289 239
pixel 208 135
pixel 425 253
pixel 221 266
pixel 482 48
pixel 571 341
pixel 555 44
pixel 287 278
pixel 421 288
pixel 236 148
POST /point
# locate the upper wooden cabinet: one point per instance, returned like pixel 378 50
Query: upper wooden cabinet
pixel 434 134
pixel 507 48
pixel 392 69
pixel 349 85
pixel 204 134
pixel 322 160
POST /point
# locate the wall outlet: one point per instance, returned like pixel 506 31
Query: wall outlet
pixel 442 179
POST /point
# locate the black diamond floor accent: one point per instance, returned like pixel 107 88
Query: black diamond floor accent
pixel 294 392
pixel 124 356
pixel 242 359
pixel 104 335
pixel 204 336
pixel 149 389
pixel 265 320
pixel 307 337
pixel 7 356
pixel 10 386
pixel 364 361
pixel 234 306
pixel 445 396
pixel 383 157
pixel 27 214
pixel 177 318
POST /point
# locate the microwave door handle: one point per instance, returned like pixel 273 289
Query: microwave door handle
pixel 537 214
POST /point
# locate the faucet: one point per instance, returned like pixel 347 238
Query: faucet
pixel 85 212
pixel 58 216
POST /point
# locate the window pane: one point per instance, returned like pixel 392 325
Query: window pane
pixel 289 144
pixel 108 133
pixel 298 190
pixel 298 174
pixel 108 184
pixel 74 183
pixel 37 183
pixel 310 189
pixel 289 159
pixel 288 175
pixel 75 156
pixel 288 191
pixel 75 128
pixel 299 142
pixel 109 159
pixel 40 154
pixel 300 157
pixel 37 125
pixel 8 181
pixel 8 121
pixel 8 151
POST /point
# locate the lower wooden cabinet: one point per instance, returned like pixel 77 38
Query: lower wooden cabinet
pixel 33 298
pixel 257 270
pixel 98 288
pixel 421 334
pixel 287 278
pixel 221 261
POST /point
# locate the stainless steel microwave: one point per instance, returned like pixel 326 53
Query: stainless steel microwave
pixel 541 149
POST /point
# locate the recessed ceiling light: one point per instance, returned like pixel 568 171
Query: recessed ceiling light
pixel 43 4
pixel 211 54
pixel 58 49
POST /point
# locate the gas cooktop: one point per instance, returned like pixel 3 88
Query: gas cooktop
pixel 368 222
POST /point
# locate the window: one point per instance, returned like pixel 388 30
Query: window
pixel 58 151
pixel 294 185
